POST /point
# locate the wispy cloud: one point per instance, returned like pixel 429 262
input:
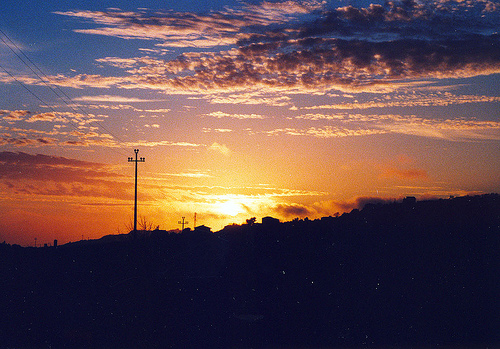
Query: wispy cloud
pixel 220 130
pixel 220 115
pixel 363 124
pixel 220 148
pixel 411 100
pixel 112 99
pixel 146 143
pixel 325 132
pixel 185 29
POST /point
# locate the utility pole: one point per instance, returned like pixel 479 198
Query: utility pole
pixel 194 225
pixel 183 223
pixel 135 199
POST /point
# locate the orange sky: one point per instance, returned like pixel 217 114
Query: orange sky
pixel 289 109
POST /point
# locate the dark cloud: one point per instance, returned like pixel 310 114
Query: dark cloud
pixel 314 46
pixel 24 159
pixel 27 142
pixel 327 208
pixel 293 210
pixel 360 202
pixel 24 173
pixel 335 62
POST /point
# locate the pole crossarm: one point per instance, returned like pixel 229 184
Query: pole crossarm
pixel 136 161
pixel 183 223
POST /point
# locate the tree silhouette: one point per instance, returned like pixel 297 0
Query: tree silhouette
pixel 251 221
pixel 143 224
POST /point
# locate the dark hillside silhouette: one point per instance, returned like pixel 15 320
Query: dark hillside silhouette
pixel 410 274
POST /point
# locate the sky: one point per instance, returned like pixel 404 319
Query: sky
pixel 241 109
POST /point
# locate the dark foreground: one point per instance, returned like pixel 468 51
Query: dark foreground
pixel 397 275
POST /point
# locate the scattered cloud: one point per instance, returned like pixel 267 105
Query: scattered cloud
pixel 296 44
pixel 220 148
pixel 325 132
pixel 112 99
pixel 220 130
pixel 27 142
pixel 412 100
pixel 13 115
pixel 220 115
pixel 366 124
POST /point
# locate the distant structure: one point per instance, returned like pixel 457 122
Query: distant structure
pixel 55 242
pixel 270 221
pixel 202 229
pixel 135 198
pixel 194 225
pixel 409 201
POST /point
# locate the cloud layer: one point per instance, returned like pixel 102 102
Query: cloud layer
pixel 304 45
pixel 26 174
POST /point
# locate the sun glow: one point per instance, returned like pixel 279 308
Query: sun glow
pixel 230 208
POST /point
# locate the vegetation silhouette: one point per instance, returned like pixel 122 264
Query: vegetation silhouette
pixel 401 274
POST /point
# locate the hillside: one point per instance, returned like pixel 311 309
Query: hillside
pixel 403 274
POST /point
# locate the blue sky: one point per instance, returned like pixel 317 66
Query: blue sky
pixel 291 109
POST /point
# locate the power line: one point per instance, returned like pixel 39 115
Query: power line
pixel 50 87
pixel 43 103
pixel 34 95
pixel 27 89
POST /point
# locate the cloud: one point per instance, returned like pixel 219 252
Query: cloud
pixel 220 148
pixel 45 175
pixel 253 98
pixel 27 142
pixel 190 29
pixel 293 210
pixel 362 201
pixel 220 115
pixel 111 99
pixel 220 130
pixel 350 124
pixel 188 175
pixel 411 100
pixel 326 207
pixel 145 143
pixel 49 117
pixel 306 45
pixel 13 115
pixel 325 132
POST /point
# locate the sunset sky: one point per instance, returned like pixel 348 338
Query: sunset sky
pixel 241 109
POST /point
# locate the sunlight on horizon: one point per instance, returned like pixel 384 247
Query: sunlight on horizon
pixel 330 104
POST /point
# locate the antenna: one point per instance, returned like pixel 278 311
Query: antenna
pixel 130 159
pixel 183 223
